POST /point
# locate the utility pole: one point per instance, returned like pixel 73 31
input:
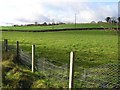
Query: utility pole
pixel 75 20
pixel 53 22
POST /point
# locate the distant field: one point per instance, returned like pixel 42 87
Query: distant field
pixel 92 48
pixel 63 26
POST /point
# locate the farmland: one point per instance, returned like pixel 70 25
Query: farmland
pixel 60 44
pixel 61 26
pixel 92 48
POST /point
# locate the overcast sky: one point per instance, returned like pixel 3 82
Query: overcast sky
pixel 30 11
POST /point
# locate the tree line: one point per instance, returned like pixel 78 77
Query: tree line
pixel 43 24
pixel 112 20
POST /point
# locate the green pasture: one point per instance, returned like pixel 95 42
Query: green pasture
pixel 62 26
pixel 91 47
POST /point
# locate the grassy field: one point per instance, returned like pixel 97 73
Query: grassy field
pixel 92 48
pixel 63 26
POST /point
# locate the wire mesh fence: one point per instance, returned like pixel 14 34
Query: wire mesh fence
pixel 59 74
pixel 51 71
pixel 103 76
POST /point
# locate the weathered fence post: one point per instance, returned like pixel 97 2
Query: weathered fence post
pixel 71 72
pixel 33 57
pixel 17 50
pixel 6 44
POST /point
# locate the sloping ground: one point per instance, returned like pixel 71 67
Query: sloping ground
pixel 103 76
pixel 60 27
pixel 15 75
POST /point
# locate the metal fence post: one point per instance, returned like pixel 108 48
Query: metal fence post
pixel 33 57
pixel 71 72
pixel 6 44
pixel 17 50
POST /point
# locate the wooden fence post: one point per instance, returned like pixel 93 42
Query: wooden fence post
pixel 33 57
pixel 6 44
pixel 71 72
pixel 17 50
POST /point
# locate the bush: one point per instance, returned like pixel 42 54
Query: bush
pixel 39 84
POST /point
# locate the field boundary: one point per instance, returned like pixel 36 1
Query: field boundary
pixel 66 29
pixel 41 64
pixel 103 76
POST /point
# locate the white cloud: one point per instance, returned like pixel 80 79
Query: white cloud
pixel 14 9
pixel 29 11
pixel 97 11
